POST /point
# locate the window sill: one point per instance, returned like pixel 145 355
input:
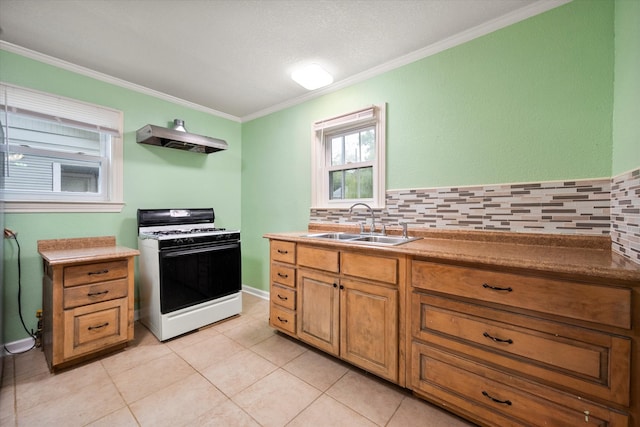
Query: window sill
pixel 42 207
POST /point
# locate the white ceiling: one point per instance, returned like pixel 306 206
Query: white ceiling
pixel 235 57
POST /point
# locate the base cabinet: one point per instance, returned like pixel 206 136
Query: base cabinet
pixel 353 320
pixel 508 349
pixel 347 304
pixel 87 304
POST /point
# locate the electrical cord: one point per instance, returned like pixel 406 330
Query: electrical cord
pixel 11 235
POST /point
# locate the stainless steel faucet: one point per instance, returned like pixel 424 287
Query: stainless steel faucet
pixel 373 217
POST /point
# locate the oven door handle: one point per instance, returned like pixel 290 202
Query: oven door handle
pixel 175 252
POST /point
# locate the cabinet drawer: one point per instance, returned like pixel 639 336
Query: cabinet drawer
pixel 89 294
pixel 283 251
pixel 282 319
pixel 586 361
pixel 283 274
pixel 322 259
pixel 284 297
pixel 370 267
pixel 84 274
pixel 497 397
pixel 93 327
pixel 601 304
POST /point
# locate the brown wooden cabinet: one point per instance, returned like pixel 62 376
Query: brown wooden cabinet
pixel 520 349
pixel 347 303
pixel 87 298
pixel 282 310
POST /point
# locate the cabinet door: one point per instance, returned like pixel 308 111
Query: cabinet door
pixel 369 327
pixel 318 310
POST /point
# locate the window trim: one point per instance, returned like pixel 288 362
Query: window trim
pixel 375 115
pixel 114 200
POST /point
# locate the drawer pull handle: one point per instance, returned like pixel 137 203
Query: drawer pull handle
pixel 283 320
pixel 504 402
pixel 95 294
pixel 508 341
pixel 282 251
pixel 282 298
pixel 284 276
pixel 495 288
pixel 98 327
pixel 91 273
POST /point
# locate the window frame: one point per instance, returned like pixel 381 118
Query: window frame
pixel 47 103
pixel 322 130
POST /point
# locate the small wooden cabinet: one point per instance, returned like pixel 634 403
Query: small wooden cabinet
pixel 87 298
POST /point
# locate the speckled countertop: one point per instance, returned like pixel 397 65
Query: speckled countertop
pixel 569 256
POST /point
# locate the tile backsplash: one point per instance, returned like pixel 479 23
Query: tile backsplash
pixel 625 214
pixel 601 206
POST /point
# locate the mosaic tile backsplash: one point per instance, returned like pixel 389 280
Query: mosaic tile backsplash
pixel 585 207
pixel 625 214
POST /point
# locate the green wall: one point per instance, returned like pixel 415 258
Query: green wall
pixel 154 177
pixel 626 107
pixel 530 102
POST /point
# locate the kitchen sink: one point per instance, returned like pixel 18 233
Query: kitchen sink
pixel 367 239
pixel 335 236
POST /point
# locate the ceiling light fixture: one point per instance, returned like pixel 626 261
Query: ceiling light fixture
pixel 311 77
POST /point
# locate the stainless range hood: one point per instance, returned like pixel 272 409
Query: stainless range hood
pixel 179 138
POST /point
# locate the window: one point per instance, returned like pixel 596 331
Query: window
pixel 348 159
pixel 58 154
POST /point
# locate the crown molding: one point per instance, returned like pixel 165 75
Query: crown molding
pixel 50 60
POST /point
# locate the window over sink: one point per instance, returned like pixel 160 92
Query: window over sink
pixel 349 159
pixel 59 154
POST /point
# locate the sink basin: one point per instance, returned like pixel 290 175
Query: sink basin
pixel 384 240
pixel 363 238
pixel 335 236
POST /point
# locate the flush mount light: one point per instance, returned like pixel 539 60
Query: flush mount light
pixel 312 77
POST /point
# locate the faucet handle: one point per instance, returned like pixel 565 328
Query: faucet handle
pixel 384 229
pixel 404 230
pixel 361 228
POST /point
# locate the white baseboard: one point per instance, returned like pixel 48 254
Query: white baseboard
pixel 255 292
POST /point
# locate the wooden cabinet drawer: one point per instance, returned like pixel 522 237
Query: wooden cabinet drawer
pixel 283 296
pixel 84 274
pixel 98 292
pixel 322 259
pixel 601 304
pixel 283 251
pixel 282 319
pixel 501 399
pixel 91 327
pixel 283 274
pixel 370 267
pixel 586 361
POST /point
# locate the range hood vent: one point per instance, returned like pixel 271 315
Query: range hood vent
pixel 179 138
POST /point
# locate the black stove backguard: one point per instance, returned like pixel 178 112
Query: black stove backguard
pixel 158 217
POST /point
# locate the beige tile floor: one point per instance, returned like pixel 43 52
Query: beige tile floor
pixel 235 373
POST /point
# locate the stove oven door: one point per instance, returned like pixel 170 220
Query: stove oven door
pixel 189 276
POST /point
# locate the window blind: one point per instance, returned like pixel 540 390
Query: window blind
pixel 59 109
